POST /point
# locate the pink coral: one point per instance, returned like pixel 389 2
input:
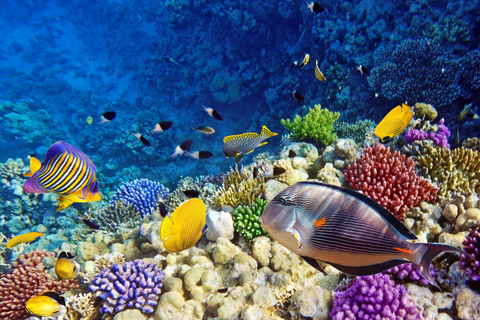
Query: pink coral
pixel 389 179
pixel 26 279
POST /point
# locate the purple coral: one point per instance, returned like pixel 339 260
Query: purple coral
pixel 374 297
pixel 471 263
pixel 407 271
pixel 135 284
pixel 143 194
pixel 439 138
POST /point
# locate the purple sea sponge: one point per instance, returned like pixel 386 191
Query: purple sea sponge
pixel 374 297
pixel 471 245
pixel 407 271
pixel 135 284
pixel 142 193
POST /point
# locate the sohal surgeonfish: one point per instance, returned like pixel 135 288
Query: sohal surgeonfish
pixel 47 304
pixel 66 267
pixel 394 123
pixel 66 171
pixel 23 238
pixel 184 228
pixel 239 145
pixel 346 229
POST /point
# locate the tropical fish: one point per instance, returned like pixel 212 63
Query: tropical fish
pixel 142 139
pixel 204 129
pixel 184 228
pixel 213 113
pixel 394 122
pixel 90 223
pixel 162 209
pixel 181 148
pixel 273 172
pixel 298 96
pixel 466 113
pixel 66 267
pixel 304 62
pixel 239 145
pixel 346 229
pixel 23 238
pixel 362 69
pixel 47 304
pixel 162 126
pixel 319 73
pixel 171 60
pixel 66 171
pixel 191 193
pixel 200 154
pixel 315 7
pixel 89 120
pixel 292 154
pixel 107 117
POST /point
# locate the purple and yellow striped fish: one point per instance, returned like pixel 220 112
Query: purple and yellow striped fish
pixel 66 171
pixel 345 229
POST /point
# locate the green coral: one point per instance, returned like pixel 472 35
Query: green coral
pixel 245 220
pixel 317 125
pixel 356 131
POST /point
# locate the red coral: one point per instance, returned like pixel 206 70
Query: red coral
pixel 26 279
pixel 389 179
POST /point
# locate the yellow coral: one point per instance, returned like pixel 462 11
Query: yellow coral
pixel 472 143
pixel 81 306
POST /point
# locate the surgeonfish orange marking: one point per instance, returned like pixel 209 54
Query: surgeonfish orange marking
pixel 320 222
pixel 394 122
pixel 47 304
pixel 23 238
pixel 403 250
pixel 239 145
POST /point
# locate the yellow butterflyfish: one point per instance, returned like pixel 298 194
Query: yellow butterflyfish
pixel 394 122
pixel 47 304
pixel 319 73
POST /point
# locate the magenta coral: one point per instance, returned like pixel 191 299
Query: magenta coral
pixel 439 138
pixel 407 271
pixel 389 179
pixel 26 279
pixel 471 263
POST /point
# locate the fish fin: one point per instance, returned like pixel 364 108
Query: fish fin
pixel 267 133
pixel 238 157
pixel 261 144
pixel 370 269
pixel 55 296
pixel 314 263
pixel 250 151
pixel 35 165
pixel 63 203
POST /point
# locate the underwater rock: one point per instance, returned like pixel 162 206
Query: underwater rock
pixel 192 277
pixel 468 220
pixel 219 224
pixel 272 188
pixel 224 251
pixel 450 211
pixel 467 303
pixel 86 251
pixel 211 281
pixel 329 174
pixel 264 297
pixel 312 302
pixel 130 314
pixel 173 298
pixel 261 250
pixel 254 313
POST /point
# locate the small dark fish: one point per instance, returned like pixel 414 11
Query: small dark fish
pixel 90 224
pixel 339 89
pixel 162 126
pixel 200 154
pixel 204 129
pixel 315 7
pixel 275 171
pixel 191 193
pixel 108 116
pixel 180 149
pixel 142 139
pixel 213 113
pixel 428 45
pixel 457 139
pixel 299 97
pixel 292 154
pixel 255 172
pixel 362 69
pixel 162 209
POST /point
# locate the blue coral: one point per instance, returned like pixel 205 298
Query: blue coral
pixel 135 284
pixel 143 194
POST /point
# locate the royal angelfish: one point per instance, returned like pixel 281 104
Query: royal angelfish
pixel 66 267
pixel 239 145
pixel 47 304
pixel 185 227
pixel 394 123
pixel 346 229
pixel 66 171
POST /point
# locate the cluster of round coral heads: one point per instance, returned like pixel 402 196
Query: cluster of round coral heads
pixel 471 263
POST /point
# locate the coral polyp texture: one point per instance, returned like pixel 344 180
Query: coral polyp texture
pixel 135 284
pixel 26 279
pixel 407 272
pixel 389 178
pixel 317 125
pixel 143 194
pixel 439 138
pixel 245 220
pixel 471 263
pixel 374 297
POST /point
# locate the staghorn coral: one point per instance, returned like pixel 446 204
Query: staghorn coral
pixel 239 187
pixel 115 216
pixel 452 170
pixel 81 307
pixel 26 279
pixel 471 263
pixel 245 220
pixel 206 186
pixel 317 125
pixel 390 179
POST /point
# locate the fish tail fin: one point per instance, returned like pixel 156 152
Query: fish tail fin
pixel 426 253
pixel 266 133
pixel 35 165
pixel 238 157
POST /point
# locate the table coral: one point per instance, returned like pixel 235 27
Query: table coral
pixel 245 220
pixel 390 179
pixel 317 125
pixel 26 279
pixel 471 263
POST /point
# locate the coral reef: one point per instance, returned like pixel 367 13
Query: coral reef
pixel 471 263
pixel 81 307
pixel 115 216
pixel 205 186
pixel 317 125
pixel 390 179
pixel 356 131
pixel 245 220
pixel 425 111
pixel 471 143
pixel 439 138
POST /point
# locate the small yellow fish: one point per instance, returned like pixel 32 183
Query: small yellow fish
pixel 394 122
pixel 66 267
pixel 319 73
pixel 89 120
pixel 238 145
pixel 26 237
pixel 47 304
pixel 184 228
pixel 305 61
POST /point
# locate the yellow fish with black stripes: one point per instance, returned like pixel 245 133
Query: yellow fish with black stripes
pixel 239 145
pixel 47 304
pixel 66 171
pixel 66 267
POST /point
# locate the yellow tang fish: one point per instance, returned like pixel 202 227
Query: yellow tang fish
pixel 394 122
pixel 319 73
pixel 47 304
pixel 239 145
pixel 26 237
pixel 66 267
pixel 184 228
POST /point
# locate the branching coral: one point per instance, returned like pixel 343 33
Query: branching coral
pixel 245 220
pixel 205 186
pixel 356 131
pixel 116 215
pixel 390 179
pixel 11 169
pixel 81 307
pixel 317 125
